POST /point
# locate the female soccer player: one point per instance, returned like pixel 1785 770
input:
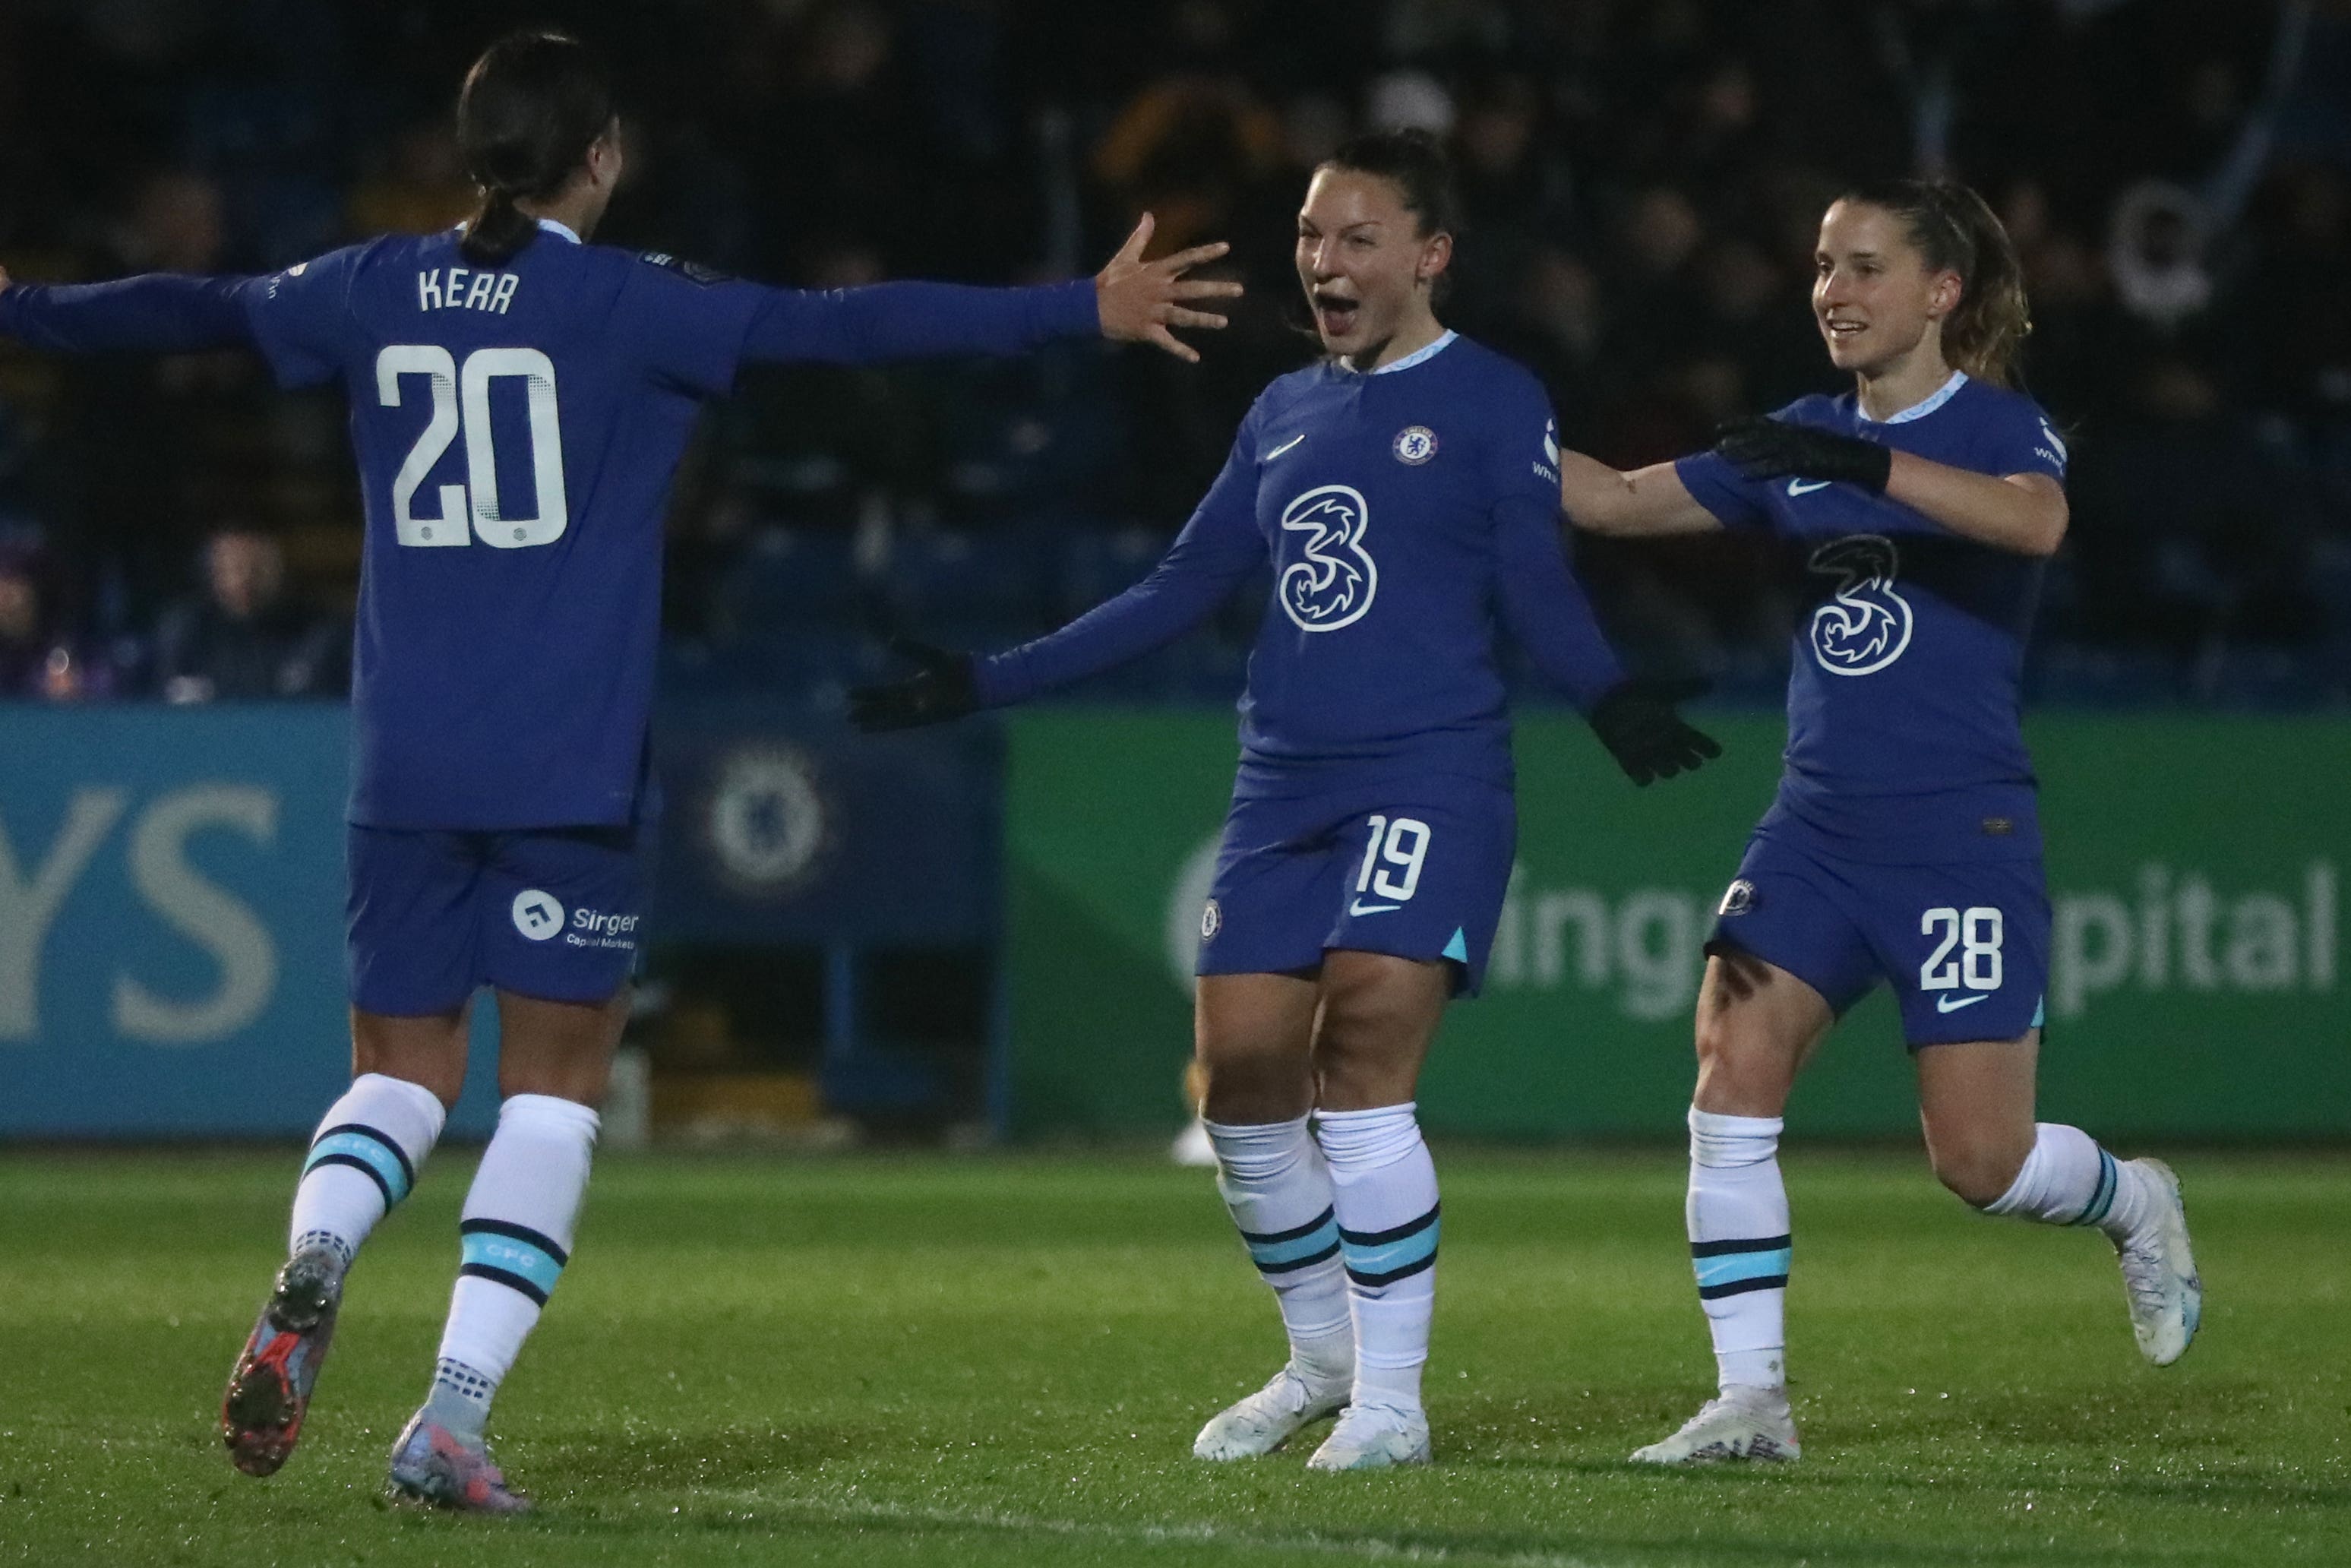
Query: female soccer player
pixel 519 400
pixel 1904 843
pixel 1405 489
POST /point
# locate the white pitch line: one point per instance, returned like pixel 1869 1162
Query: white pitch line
pixel 817 1510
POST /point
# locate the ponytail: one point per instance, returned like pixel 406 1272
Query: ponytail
pixel 498 231
pixel 531 108
pixel 1956 230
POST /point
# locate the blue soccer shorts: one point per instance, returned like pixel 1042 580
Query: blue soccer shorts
pixel 435 915
pixel 1383 870
pixel 1966 947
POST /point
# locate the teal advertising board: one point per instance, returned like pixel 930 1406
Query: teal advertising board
pixel 171 923
pixel 2196 870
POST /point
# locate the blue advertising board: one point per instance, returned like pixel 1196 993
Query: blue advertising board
pixel 171 921
pixel 171 887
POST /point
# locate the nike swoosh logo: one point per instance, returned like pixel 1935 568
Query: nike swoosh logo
pixel 1953 1004
pixel 1360 907
pixel 1806 487
pixel 1284 447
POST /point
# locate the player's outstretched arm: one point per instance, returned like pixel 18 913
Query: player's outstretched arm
pixel 156 313
pixel 1130 300
pixel 1137 301
pixel 2025 513
pixel 1647 501
pixel 1547 611
pixel 941 689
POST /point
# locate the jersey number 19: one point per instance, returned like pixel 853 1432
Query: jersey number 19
pixel 461 398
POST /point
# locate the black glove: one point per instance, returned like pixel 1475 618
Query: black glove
pixel 941 689
pixel 1637 724
pixel 1775 449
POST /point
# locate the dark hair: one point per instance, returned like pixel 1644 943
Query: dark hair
pixel 1417 165
pixel 530 108
pixel 1956 230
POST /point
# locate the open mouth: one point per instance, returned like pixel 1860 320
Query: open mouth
pixel 1334 314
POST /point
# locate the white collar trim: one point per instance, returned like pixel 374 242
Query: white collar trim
pixel 1925 406
pixel 552 226
pixel 1417 357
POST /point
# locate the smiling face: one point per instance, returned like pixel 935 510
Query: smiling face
pixel 1364 263
pixel 1876 301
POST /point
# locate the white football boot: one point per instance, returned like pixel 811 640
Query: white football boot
pixel 1269 1418
pixel 2160 1278
pixel 1744 1424
pixel 1373 1438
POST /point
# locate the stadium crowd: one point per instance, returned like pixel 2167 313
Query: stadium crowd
pixel 1643 183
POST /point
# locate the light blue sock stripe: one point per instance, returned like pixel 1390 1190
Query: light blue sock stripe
pixel 515 1257
pixel 1274 1254
pixel 369 1151
pixel 2102 1197
pixel 1388 1256
pixel 1732 1267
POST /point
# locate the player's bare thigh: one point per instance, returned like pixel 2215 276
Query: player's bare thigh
pixel 1757 1027
pixel 1379 1014
pixel 1976 1107
pixel 1252 1040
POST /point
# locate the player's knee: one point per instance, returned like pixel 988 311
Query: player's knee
pixel 1735 1074
pixel 1975 1169
pixel 1248 1088
pixel 1359 1068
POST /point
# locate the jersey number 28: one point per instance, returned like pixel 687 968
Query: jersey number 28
pixel 461 396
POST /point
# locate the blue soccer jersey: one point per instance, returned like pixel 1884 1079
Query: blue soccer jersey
pixel 1409 515
pixel 517 427
pixel 1904 738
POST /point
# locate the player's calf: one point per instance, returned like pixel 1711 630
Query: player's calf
pixel 361 1162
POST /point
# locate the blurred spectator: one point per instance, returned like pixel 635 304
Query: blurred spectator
pixel 244 638
pixel 38 660
pixel 1644 186
pixel 419 188
pixel 1191 146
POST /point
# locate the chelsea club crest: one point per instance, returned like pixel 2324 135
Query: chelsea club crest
pixel 1416 444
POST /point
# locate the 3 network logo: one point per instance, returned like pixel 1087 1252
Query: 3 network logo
pixel 1865 626
pixel 1332 583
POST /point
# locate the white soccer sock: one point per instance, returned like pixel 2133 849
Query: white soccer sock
pixel 1738 1215
pixel 2069 1179
pixel 518 1226
pixel 1279 1190
pixel 1383 1187
pixel 362 1162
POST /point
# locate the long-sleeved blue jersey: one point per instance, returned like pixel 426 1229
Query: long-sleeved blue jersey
pixel 1403 511
pixel 1905 742
pixel 517 429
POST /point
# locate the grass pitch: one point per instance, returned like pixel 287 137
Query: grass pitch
pixel 986 1362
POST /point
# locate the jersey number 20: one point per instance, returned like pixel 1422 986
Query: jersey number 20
pixel 462 397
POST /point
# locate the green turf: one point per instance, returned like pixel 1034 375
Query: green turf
pixel 1004 1361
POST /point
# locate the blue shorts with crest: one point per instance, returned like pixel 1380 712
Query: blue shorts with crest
pixel 1418 870
pixel 434 915
pixel 1965 946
